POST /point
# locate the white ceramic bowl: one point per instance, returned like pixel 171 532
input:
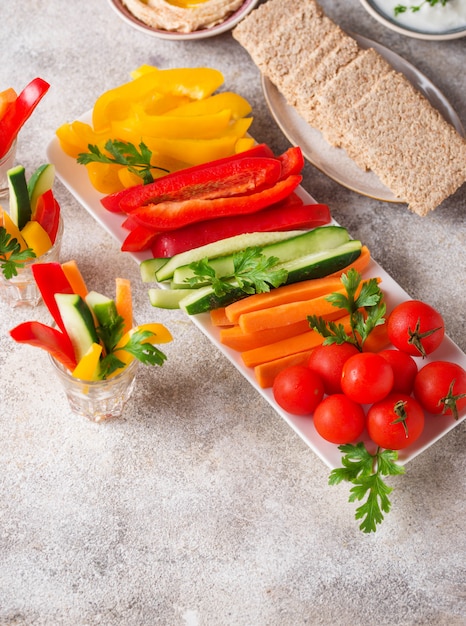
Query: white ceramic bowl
pixel 389 21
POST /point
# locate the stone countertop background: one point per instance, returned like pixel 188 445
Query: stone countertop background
pixel 201 506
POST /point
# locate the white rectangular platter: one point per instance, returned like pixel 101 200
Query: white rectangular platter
pixel 75 179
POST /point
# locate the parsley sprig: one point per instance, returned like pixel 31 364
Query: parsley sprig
pixel 365 471
pixel 110 331
pixel 402 8
pixel 365 305
pixel 12 257
pixel 123 153
pixel 253 273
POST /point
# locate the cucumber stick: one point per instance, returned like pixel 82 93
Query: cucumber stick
pixel 78 321
pixel 305 243
pixel 310 266
pixel 223 247
pixel 103 308
pixel 41 181
pixel 168 298
pixel 20 205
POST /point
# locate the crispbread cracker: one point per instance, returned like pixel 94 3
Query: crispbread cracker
pixel 357 101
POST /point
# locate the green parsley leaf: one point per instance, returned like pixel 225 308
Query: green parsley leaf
pixel 366 310
pixel 144 352
pixel 123 153
pixel 253 273
pixel 11 256
pixel 365 471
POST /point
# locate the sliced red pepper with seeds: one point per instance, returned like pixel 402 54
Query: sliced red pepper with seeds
pixel 52 340
pixel 282 216
pixel 112 201
pixel 171 215
pixel 240 177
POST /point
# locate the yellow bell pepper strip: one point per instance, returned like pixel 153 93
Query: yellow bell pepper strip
pixel 36 237
pixel 20 111
pixel 196 83
pixel 50 339
pixel 175 214
pixel 235 103
pixel 88 367
pixel 193 151
pixel 172 127
pixel 105 177
pixel 11 228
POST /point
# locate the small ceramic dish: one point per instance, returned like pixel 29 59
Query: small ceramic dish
pixel 403 24
pixel 228 24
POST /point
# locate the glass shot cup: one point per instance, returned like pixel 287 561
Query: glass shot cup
pixel 21 290
pixel 97 400
pixel 6 163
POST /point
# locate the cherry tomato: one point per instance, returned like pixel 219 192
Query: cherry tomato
pixel 404 369
pixel 366 378
pixel 298 390
pixel 338 419
pixel 432 388
pixel 416 328
pixel 328 362
pixel 395 422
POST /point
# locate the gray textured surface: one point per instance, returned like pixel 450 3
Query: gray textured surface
pixel 201 506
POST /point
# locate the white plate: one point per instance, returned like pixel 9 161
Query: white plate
pixel 74 177
pixel 226 25
pixel 334 162
pixel 390 22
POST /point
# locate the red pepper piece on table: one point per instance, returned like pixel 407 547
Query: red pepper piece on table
pixel 51 279
pixel 47 213
pixel 112 201
pixel 275 218
pixel 171 215
pixel 50 339
pixel 20 111
pixel 243 176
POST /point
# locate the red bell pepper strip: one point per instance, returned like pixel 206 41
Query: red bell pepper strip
pixel 50 339
pixel 171 215
pixel 112 201
pixel 51 279
pixel 275 218
pixel 47 213
pixel 243 176
pixel 20 111
pixel 138 239
pixel 292 161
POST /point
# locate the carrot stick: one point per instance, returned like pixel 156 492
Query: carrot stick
pixel 124 302
pixel 303 290
pixel 75 278
pixel 286 347
pixel 377 339
pixel 218 317
pixel 236 339
pixel 359 264
pixel 289 313
pixel 265 373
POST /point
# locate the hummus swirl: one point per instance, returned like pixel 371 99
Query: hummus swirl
pixel 163 15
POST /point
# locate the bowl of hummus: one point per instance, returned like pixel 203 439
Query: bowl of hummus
pixel 183 19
